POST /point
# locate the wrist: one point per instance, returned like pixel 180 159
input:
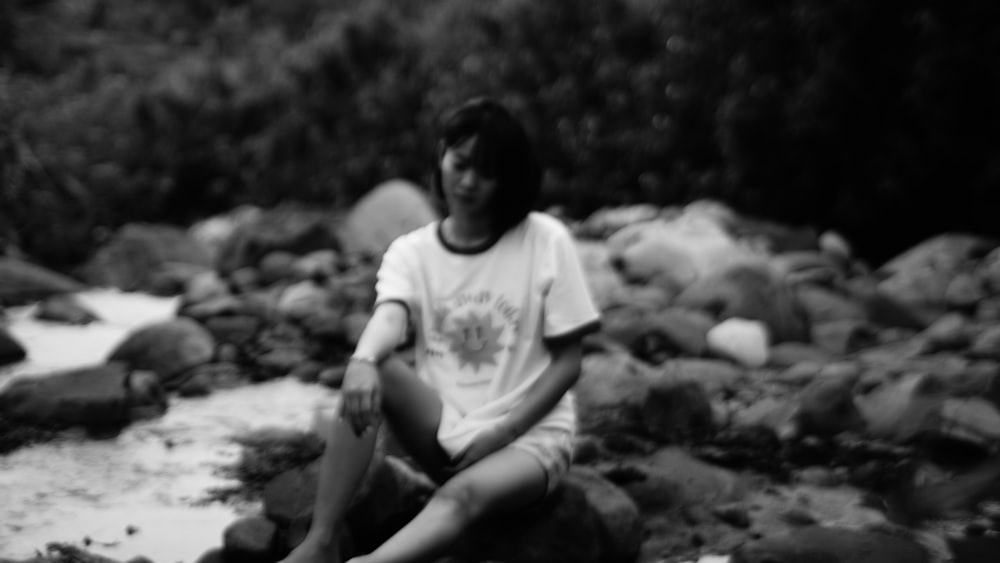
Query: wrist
pixel 365 359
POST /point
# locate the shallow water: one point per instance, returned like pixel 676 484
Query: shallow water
pixel 141 492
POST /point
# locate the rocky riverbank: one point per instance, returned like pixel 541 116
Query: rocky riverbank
pixel 755 390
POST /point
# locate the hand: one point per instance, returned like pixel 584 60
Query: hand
pixel 361 397
pixel 485 443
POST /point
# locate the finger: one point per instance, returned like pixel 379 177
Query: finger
pixel 364 411
pixel 356 415
pixel 376 408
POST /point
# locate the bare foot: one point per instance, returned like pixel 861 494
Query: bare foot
pixel 314 551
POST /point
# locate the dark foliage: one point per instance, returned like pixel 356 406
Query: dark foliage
pixel 875 119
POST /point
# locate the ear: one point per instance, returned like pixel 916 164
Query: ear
pixel 441 149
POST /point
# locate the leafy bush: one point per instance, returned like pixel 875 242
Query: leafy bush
pixel 836 114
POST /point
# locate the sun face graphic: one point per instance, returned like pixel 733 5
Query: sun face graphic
pixel 475 340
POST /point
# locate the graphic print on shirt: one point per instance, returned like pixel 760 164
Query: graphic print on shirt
pixel 475 329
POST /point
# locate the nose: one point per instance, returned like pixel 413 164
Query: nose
pixel 468 179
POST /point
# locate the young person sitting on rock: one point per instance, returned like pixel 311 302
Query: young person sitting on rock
pixel 498 303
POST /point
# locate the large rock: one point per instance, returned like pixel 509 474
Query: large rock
pixel 832 545
pixel 742 341
pixel 23 282
pixel 921 275
pixel 109 395
pixel 65 308
pixel 621 526
pixel 170 348
pixel 564 528
pixel 611 392
pixel 139 256
pixel 389 210
pixel 676 251
pixel 252 539
pixel 672 479
pixel 294 230
pixel 212 233
pixel 749 291
pixel 922 405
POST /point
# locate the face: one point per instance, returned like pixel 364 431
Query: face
pixel 467 192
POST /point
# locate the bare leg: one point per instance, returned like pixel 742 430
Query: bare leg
pixel 345 460
pixel 503 481
pixel 414 412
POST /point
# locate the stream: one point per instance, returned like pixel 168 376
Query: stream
pixel 143 491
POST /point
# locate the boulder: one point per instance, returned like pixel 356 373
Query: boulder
pixel 387 211
pixel 986 344
pixel 740 340
pixel 290 229
pixel 302 299
pixel 822 304
pixel 825 407
pixel 23 282
pixel 832 545
pixel 316 265
pixel 712 374
pixel 277 266
pixel 671 478
pixel 964 292
pixel 170 348
pixel 206 286
pixel 787 354
pixel 565 527
pixel 843 337
pixel 11 350
pixel 749 291
pixel 212 233
pixel 621 527
pixel 676 251
pixel 138 253
pixel 102 396
pixel 901 410
pixel 921 275
pixel 677 411
pixel 683 332
pixel 809 267
pixel 252 539
pixel 884 308
pixel 611 391
pixel 66 309
pixel 951 331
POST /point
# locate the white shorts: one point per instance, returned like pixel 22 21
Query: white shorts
pixel 551 446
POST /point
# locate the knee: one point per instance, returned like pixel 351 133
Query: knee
pixel 459 499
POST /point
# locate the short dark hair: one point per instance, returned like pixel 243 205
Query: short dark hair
pixel 502 151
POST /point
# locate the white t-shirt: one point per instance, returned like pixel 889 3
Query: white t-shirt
pixel 481 318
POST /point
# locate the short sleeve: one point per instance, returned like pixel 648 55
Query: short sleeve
pixel 395 278
pixel 569 309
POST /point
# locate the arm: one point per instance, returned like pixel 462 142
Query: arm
pixel 547 390
pixel 361 394
pixel 543 395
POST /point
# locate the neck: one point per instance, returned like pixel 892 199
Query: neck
pixel 466 231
